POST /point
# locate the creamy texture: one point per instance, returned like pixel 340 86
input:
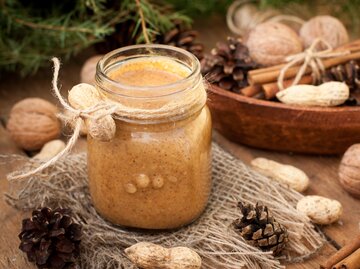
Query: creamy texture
pixel 149 72
pixel 154 176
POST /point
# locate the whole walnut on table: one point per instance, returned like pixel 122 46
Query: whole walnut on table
pixel 33 122
pixel 349 170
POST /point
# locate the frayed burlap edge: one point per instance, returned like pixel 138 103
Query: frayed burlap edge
pixel 212 235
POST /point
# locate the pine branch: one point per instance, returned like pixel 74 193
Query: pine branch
pixel 143 23
pixel 52 27
pixel 31 32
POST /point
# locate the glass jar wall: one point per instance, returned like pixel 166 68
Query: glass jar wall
pixel 156 172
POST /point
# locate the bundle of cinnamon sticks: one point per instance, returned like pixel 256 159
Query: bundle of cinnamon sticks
pixel 347 257
pixel 264 80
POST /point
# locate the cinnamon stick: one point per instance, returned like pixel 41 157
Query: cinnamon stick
pixel 350 262
pixel 352 47
pixel 271 89
pixel 250 91
pixel 342 253
pixel 271 76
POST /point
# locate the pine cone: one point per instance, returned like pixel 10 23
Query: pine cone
pixel 228 64
pixel 183 38
pixel 122 36
pixel 260 229
pixel 50 238
pixel 348 73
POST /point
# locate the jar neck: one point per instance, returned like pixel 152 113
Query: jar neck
pixel 148 99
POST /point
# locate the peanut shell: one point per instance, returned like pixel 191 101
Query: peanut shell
pixel 149 256
pixel 285 174
pixel 49 150
pixel 319 209
pixel 88 71
pixel 83 96
pixel 328 94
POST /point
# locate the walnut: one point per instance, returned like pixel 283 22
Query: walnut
pixel 269 43
pixel 33 122
pixel 327 28
pixel 349 170
pixel 88 70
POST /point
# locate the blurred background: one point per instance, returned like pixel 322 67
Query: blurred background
pixel 31 32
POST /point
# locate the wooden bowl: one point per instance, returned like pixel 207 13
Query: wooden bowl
pixel 276 126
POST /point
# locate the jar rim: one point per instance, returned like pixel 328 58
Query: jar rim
pixel 101 74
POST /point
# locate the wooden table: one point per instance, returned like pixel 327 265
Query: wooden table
pixel 321 170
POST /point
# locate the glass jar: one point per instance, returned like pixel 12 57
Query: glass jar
pixel 156 172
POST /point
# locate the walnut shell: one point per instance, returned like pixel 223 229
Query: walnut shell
pixel 326 27
pixel 33 122
pixel 349 171
pixel 88 70
pixel 269 43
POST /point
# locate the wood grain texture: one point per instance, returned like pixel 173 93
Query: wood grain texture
pixel 322 170
pixel 10 218
pixel 280 127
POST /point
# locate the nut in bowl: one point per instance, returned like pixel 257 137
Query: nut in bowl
pixel 269 108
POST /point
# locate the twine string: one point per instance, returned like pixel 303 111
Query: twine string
pixel 191 98
pixel 212 235
pixel 312 58
pixel 95 112
pixel 254 18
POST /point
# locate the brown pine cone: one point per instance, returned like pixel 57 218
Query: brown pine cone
pixel 179 36
pixel 50 238
pixel 259 228
pixel 228 65
pixel 183 38
pixel 348 73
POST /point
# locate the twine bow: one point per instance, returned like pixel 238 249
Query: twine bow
pixel 95 112
pixel 190 99
pixel 311 57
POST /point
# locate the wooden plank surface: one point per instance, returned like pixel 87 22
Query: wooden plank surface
pixel 322 170
pixel 10 218
pixel 323 181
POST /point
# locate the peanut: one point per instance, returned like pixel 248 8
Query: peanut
pixel 49 150
pixel 319 209
pixel 285 174
pixel 88 71
pixel 331 93
pixel 148 256
pixel 83 96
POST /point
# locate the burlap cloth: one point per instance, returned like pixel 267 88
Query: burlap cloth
pixel 212 236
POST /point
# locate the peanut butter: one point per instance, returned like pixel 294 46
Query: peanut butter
pixel 152 175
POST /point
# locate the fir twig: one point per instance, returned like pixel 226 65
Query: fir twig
pixel 32 32
pixel 52 27
pixel 143 23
